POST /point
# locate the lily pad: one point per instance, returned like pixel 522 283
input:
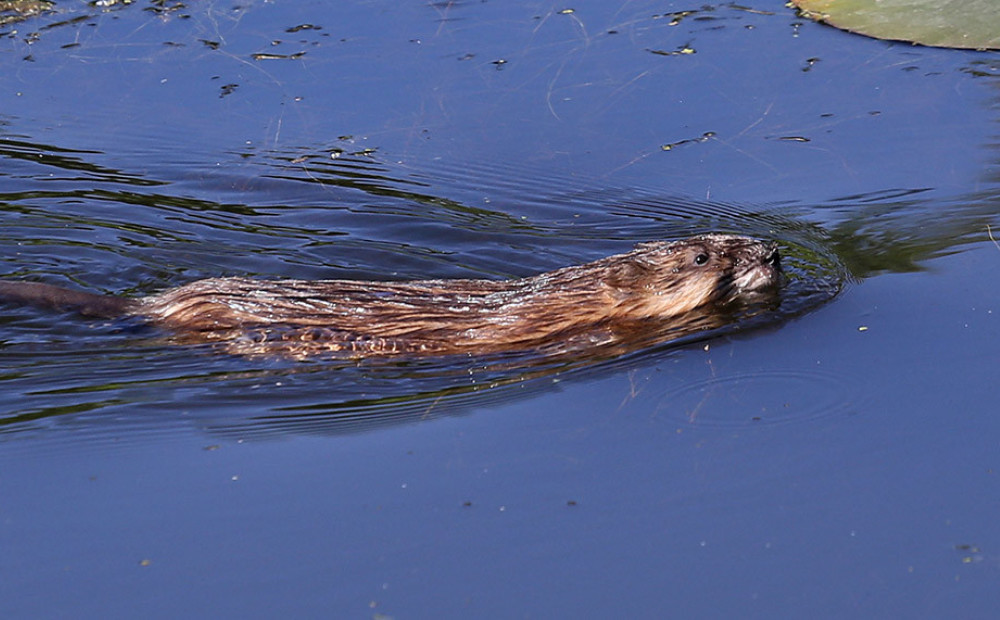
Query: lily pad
pixel 968 24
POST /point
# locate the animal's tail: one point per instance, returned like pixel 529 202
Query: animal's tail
pixel 48 296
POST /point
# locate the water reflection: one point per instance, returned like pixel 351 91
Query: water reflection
pixel 898 231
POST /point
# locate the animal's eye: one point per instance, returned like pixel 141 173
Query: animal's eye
pixel 701 259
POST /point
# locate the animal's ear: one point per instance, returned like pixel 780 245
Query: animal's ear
pixel 629 272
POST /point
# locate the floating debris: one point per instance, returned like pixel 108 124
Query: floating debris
pixel 263 56
pixel 684 50
pixel 13 11
pixel 705 137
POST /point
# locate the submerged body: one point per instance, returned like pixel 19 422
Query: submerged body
pixel 656 284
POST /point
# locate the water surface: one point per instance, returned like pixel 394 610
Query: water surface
pixel 837 460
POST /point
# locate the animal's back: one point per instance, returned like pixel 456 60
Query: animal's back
pixel 680 285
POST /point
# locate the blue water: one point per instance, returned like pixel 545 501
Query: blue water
pixel 838 461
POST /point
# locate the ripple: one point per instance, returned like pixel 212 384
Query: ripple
pixel 766 398
pixel 350 217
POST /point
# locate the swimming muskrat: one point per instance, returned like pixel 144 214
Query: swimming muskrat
pixel 656 285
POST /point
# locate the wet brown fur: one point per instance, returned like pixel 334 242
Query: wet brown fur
pixel 594 302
